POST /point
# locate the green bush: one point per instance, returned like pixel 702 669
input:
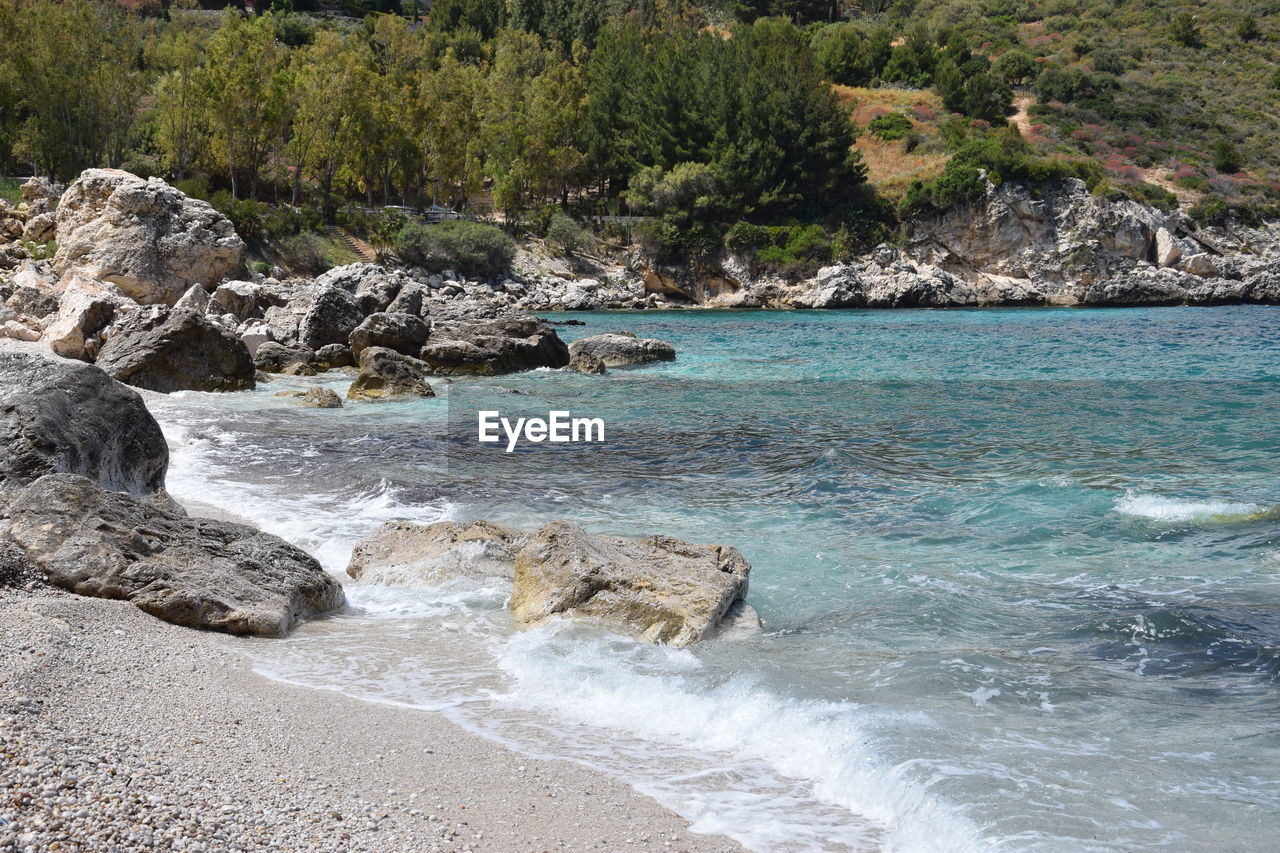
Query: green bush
pixel 197 186
pixel 890 127
pixel 471 247
pixel 303 254
pixel 1226 158
pixel 565 235
pixel 1184 30
pixel 1152 195
pixel 246 215
pixel 1209 211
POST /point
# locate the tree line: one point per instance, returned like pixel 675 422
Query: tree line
pixel 535 103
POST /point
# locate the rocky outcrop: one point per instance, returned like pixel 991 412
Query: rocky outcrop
pixel 64 417
pixel 488 347
pixel 145 237
pixel 661 589
pixel 176 350
pixel 620 349
pixel 85 309
pixel 188 571
pixel 388 375
pixel 403 554
pixel 398 331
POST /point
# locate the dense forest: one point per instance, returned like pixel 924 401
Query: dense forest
pixel 747 121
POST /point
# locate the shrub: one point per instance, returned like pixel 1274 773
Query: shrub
pixel 303 254
pixel 282 221
pixel 473 247
pixel 384 227
pixel 566 235
pixel 1184 30
pixel 890 127
pixel 745 237
pixel 1152 195
pixel 197 186
pixel 1226 158
pixel 1014 67
pixel 1209 211
pixel 245 214
pixel 1247 29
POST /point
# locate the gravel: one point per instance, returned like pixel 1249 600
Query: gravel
pixel 119 732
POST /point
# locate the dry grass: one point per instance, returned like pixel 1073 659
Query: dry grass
pixel 890 169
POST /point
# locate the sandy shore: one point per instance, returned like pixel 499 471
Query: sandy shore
pixel 120 732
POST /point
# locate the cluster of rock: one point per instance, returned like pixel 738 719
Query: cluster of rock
pixel 28 228
pixel 658 589
pixel 82 467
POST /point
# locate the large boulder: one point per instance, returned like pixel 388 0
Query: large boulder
pixel 621 349
pixel 271 357
pixel 659 588
pixel 388 375
pixel 401 332
pixel 488 347
pixel 188 571
pixel 403 554
pixel 85 309
pixel 176 350
pixel 144 236
pixel 61 416
pixel 331 319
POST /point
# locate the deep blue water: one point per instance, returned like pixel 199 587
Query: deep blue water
pixel 1019 569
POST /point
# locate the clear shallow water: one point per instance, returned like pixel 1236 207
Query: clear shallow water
pixel 1020 570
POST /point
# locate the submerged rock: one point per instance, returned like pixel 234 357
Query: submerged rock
pixel 621 349
pixel 387 375
pixel 189 571
pixel 660 588
pixel 178 350
pixel 65 417
pixel 403 554
pixel 321 398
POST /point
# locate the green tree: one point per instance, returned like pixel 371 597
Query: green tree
pixel 1014 67
pixel 1226 158
pixel 177 95
pixel 851 55
pixel 1184 30
pixel 246 97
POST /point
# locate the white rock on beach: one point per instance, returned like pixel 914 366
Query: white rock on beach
pixel 403 554
pixel 144 236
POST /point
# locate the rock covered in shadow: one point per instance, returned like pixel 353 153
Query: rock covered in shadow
pixel 620 349
pixel 196 572
pixel 403 554
pixel 505 344
pixel 660 588
pixel 388 375
pixel 176 350
pixel 65 417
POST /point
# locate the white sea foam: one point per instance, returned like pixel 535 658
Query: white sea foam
pixel 1160 508
pixel 325 525
pixel 656 694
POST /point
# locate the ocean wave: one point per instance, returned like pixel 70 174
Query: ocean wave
pixel 1160 508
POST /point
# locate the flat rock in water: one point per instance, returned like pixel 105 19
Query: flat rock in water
pixel 660 588
pixel 617 349
pixel 66 417
pixel 403 554
pixel 196 572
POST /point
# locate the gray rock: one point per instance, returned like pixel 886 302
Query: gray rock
pixel 622 349
pixel 388 375
pixel 404 333
pixel 321 398
pixel 271 357
pixel 65 417
pixel 331 319
pixel 332 356
pixel 176 350
pixel 403 554
pixel 488 347
pixel 658 588
pixel 144 236
pixel 189 571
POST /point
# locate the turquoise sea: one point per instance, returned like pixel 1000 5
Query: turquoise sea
pixel 1019 569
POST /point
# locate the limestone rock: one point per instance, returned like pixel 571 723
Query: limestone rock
pixel 144 236
pixel 331 319
pixel 176 350
pixel 61 416
pixel 622 349
pixel 84 310
pixel 1168 250
pixel 489 347
pixel 402 554
pixel 321 398
pixel 40 228
pixel 587 363
pixel 240 298
pixel 403 333
pixel 660 588
pixel 388 375
pixel 189 571
pixel 332 356
pixel 271 357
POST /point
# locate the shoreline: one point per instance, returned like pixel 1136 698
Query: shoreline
pixel 135 732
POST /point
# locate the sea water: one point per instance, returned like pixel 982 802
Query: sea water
pixel 1019 569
